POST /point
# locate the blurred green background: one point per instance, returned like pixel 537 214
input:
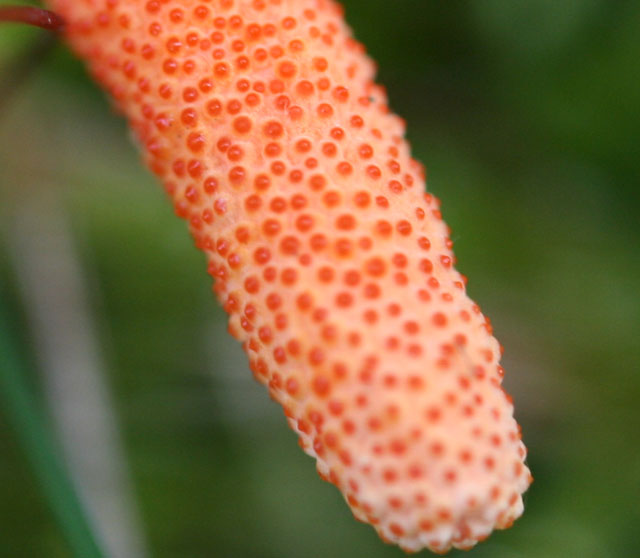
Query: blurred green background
pixel 527 115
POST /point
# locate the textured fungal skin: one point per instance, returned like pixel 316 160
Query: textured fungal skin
pixel 264 124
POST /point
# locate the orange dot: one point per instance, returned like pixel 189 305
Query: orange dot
pixel 329 149
pixel 344 168
pixel 362 199
pixel 195 141
pixel 439 319
pixel 252 284
pixel 321 386
pixel 221 70
pixel 292 386
pixel 273 129
pixel 346 222
pixel 320 64
pixel 374 172
pixel 287 69
pixel 272 149
pixel 237 174
pixel 341 94
pixel 404 227
pixel 242 124
pixel 365 151
pixel 383 228
pixel 325 110
pixel 304 223
pixel 344 299
pixel 189 117
pixel 271 227
pixel 305 88
pixel 376 267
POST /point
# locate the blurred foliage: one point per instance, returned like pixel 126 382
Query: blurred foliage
pixel 527 115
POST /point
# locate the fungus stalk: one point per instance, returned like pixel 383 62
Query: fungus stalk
pixel 263 122
pixel 31 16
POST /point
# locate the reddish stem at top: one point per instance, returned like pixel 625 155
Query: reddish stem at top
pixel 32 16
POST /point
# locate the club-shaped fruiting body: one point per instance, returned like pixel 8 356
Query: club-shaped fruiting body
pixel 262 120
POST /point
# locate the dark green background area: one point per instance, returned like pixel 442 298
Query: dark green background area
pixel 527 116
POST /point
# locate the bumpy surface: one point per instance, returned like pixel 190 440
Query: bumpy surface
pixel 262 120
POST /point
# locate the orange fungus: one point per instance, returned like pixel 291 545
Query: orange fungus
pixel 263 122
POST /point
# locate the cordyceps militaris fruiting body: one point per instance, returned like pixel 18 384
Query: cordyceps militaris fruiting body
pixel 264 124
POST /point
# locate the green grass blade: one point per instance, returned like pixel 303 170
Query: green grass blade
pixel 24 415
